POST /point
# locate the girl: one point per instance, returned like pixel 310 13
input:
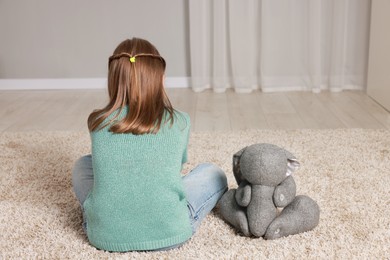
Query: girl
pixel 130 189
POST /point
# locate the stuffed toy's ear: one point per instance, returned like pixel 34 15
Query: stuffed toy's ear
pixel 292 163
pixel 292 166
pixel 236 166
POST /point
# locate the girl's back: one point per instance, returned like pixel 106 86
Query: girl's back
pixel 138 196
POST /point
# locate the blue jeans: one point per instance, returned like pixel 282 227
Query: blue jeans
pixel 204 186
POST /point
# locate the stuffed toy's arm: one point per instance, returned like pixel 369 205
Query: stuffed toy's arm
pixel 285 192
pixel 243 194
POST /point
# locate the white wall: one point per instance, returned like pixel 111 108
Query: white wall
pixel 74 38
pixel 378 82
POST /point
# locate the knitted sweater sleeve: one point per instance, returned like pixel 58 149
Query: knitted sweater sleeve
pixel 185 152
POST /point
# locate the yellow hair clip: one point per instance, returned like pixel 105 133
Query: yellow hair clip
pixel 132 59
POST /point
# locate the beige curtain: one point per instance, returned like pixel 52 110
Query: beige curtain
pixel 279 45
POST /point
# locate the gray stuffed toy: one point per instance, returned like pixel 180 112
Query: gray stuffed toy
pixel 263 174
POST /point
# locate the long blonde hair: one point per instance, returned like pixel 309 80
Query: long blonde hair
pixel 135 80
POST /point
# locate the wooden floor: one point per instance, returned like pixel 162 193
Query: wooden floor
pixel 62 110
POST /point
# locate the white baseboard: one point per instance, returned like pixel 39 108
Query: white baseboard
pixel 101 83
pixel 177 82
pixel 81 83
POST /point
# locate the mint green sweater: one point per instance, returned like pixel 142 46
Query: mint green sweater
pixel 138 201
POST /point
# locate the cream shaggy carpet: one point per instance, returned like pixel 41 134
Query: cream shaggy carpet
pixel 346 171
